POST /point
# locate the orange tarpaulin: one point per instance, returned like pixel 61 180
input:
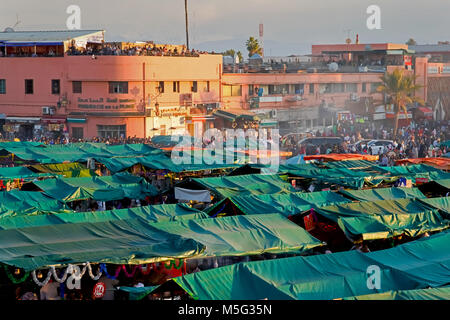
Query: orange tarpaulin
pixel 439 163
pixel 341 157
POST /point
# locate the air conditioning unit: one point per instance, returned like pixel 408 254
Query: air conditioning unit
pixel 46 110
pixel 354 97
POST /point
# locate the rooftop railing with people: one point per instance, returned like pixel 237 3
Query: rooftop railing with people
pixel 135 51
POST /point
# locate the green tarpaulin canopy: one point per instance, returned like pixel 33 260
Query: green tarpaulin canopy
pixel 340 176
pixel 287 204
pixel 244 235
pixel 137 293
pixel 383 194
pixel 131 241
pixel 442 203
pixel 252 184
pixel 414 265
pixel 155 213
pixel 135 241
pixel 18 203
pixel 76 152
pixel 385 218
pixel 67 170
pixel 105 188
pixel 20 173
pixel 415 171
pixel 444 182
pixel 418 294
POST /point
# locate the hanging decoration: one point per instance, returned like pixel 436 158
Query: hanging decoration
pixel 74 273
pixel 174 265
pixel 14 279
pixel 68 270
pixel 39 283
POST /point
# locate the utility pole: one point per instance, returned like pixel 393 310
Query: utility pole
pixel 187 24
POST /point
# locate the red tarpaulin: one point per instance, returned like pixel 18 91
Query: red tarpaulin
pixel 341 157
pixel 439 163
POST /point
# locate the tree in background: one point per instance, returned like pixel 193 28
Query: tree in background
pixel 411 42
pixel 253 47
pixel 401 89
pixel 230 53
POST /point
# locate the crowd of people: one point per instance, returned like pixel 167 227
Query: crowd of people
pixel 149 49
pixel 421 139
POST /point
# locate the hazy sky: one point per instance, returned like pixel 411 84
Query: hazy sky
pixel 290 26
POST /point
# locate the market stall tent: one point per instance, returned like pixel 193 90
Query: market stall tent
pixel 415 265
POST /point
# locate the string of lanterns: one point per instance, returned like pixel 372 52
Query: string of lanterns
pixel 77 273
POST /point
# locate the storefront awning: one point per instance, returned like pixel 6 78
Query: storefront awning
pixel 23 119
pixel 426 110
pixel 53 120
pixel 76 120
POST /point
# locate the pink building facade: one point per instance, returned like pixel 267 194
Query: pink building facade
pixel 108 96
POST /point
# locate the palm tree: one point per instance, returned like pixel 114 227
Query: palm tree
pixel 411 42
pixel 400 88
pixel 253 46
pixel 241 58
pixel 230 53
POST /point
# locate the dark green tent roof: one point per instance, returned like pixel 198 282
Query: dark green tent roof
pixel 50 154
pixel 18 203
pixel 287 204
pixel 383 194
pixel 384 218
pixel 442 203
pixel 105 188
pixel 414 265
pixel 131 241
pixel 252 184
pixel 136 241
pixel 155 213
pixel 418 294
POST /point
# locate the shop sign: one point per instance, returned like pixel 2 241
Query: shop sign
pixel 99 290
pixel 106 104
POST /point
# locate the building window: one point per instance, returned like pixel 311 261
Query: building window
pixel 208 86
pixel 2 86
pixel 28 86
pixel 325 88
pixel 374 86
pixel 232 91
pixel 118 87
pixel 76 87
pixel 77 133
pixel 364 89
pixel 56 88
pixel 351 87
pixel 194 86
pixel 176 86
pixel 299 88
pixel 160 88
pixel 107 131
pixel 311 88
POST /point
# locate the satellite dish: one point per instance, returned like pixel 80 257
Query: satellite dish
pixel 9 29
pixel 333 67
